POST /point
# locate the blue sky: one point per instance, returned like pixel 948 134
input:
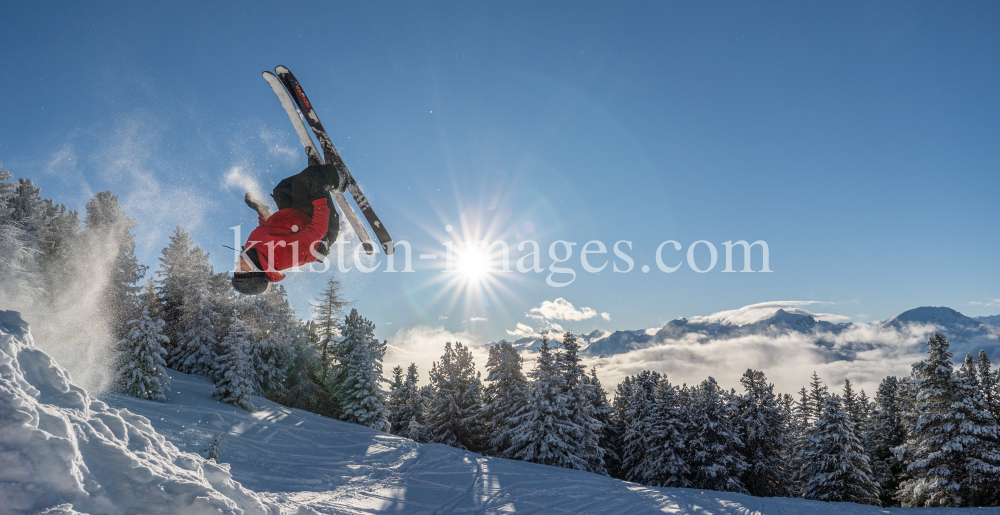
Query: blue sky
pixel 859 140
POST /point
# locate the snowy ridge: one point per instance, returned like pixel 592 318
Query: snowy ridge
pixel 63 451
pixel 768 319
pixel 992 320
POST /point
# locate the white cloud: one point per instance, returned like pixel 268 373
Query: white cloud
pixel 442 317
pixel 522 331
pixel 478 319
pixel 787 359
pixel 552 327
pixel 526 331
pixel 561 309
pixel 757 312
pixel 606 316
pixel 424 345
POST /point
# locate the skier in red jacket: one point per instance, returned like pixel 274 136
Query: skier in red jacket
pixel 302 230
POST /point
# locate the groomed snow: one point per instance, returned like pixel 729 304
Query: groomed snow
pixel 61 448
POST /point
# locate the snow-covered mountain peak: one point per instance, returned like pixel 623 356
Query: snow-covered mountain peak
pixel 941 316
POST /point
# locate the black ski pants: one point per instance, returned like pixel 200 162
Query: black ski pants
pixel 300 190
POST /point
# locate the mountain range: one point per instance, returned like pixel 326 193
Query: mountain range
pixel 839 340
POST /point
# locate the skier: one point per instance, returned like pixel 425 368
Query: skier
pixel 302 230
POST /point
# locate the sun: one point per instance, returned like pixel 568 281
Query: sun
pixel 472 263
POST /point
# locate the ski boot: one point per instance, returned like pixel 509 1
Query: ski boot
pixel 258 206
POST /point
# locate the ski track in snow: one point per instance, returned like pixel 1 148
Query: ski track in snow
pixel 302 461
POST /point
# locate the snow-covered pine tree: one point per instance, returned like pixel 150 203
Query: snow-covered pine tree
pixel 666 440
pixel 149 300
pixel 818 392
pixel 787 403
pixel 108 226
pixel 359 373
pixel 760 426
pixel 235 383
pixel 908 415
pixel 138 360
pixel 455 414
pixel 328 309
pixel 7 185
pixel 885 431
pixel 602 411
pixel 275 325
pixel 50 229
pixel 304 387
pixel 577 393
pixel 798 433
pixel 26 209
pixel 394 401
pixel 197 328
pixel 851 405
pixel 989 385
pixel 408 403
pixel 617 424
pixel 865 405
pixel 20 278
pixel 636 413
pixel 540 437
pixel 942 448
pixel 174 281
pixel 506 397
pixel 417 430
pixel 713 445
pixel 55 242
pixel 979 436
pixel 835 462
pixel 214 449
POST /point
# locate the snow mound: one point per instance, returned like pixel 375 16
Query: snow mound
pixel 63 452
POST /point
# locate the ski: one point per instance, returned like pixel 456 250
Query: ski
pixel 315 158
pixel 333 157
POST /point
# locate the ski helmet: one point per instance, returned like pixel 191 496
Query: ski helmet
pixel 251 283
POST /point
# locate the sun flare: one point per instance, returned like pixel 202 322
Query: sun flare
pixel 472 263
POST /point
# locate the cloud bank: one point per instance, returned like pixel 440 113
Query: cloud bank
pixel 424 345
pixel 757 312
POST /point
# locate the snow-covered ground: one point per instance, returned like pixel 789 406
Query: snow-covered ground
pixel 60 447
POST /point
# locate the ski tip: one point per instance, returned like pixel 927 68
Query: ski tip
pixel 369 248
pixel 265 73
pixel 389 248
pixel 280 69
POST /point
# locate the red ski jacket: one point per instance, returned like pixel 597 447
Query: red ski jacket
pixel 284 240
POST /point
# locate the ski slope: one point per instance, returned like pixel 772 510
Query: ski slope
pixel 64 451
